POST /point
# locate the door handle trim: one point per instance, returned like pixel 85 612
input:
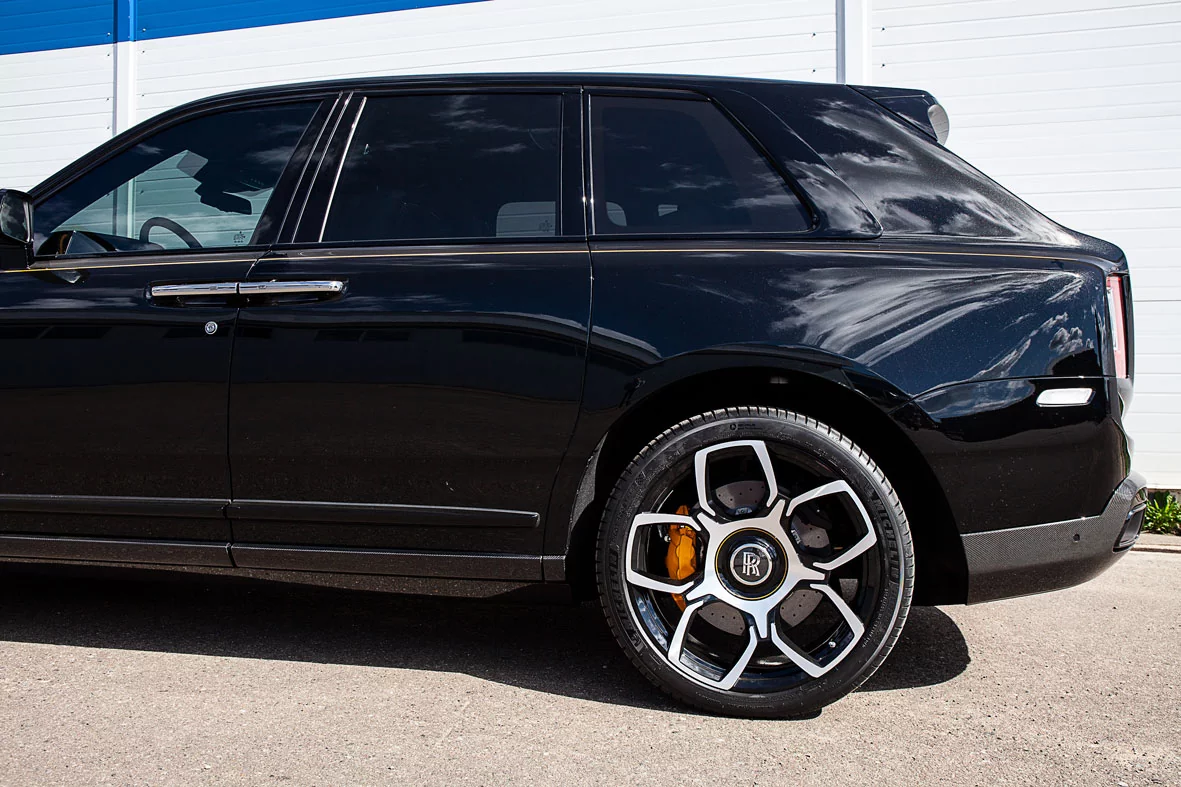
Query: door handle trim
pixel 182 290
pixel 320 287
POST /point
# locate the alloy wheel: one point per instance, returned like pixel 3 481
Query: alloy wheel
pixel 788 569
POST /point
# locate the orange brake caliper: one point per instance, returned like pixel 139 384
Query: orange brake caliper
pixel 681 560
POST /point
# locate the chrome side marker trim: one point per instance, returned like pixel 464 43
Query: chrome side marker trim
pixel 1065 397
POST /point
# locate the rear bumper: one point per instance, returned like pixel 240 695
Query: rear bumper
pixel 1036 558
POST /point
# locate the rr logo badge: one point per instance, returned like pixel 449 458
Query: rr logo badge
pixel 750 564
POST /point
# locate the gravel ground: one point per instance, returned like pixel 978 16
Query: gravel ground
pixel 213 681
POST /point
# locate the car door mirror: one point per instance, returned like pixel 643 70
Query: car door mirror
pixel 16 229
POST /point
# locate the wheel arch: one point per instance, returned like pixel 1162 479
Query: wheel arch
pixel 941 569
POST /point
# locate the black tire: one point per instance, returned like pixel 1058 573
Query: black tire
pixel 801 451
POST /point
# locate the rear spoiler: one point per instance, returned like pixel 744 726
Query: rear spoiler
pixel 917 107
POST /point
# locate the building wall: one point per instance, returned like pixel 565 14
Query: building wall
pixel 1073 104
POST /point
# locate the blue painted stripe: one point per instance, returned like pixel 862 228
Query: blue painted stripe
pixel 36 25
pixel 165 18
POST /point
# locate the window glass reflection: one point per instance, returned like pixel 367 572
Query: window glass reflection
pixel 454 166
pixel 212 176
pixel 680 166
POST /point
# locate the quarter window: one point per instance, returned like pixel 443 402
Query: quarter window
pixel 451 166
pixel 202 183
pixel 665 166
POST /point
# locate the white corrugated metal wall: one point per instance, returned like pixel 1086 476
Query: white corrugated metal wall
pixel 54 106
pixel 1073 104
pixel 791 39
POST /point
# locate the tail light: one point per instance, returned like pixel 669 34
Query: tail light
pixel 1119 324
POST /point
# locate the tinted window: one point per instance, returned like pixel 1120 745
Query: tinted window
pixel 450 166
pixel 913 185
pixel 680 166
pixel 212 175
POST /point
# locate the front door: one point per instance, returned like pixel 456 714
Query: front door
pixel 117 341
pixel 407 375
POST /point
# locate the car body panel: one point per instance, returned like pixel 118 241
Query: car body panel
pixel 460 363
pixel 995 450
pixel 439 378
pixel 868 318
pixel 883 309
pixel 115 400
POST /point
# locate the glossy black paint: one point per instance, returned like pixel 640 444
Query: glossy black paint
pixel 106 394
pixel 16 228
pixel 449 409
pixel 440 377
pixel 1004 462
pixel 913 106
pixel 889 321
pixel 886 310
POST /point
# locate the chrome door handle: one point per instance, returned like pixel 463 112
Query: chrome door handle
pixel 320 287
pixel 182 290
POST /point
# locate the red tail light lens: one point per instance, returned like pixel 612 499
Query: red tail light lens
pixel 1119 330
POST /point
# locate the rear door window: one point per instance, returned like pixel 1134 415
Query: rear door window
pixel 678 166
pixel 455 166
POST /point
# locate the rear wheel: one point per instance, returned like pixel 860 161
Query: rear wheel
pixel 755 562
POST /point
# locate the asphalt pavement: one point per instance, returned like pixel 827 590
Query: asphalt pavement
pixel 211 681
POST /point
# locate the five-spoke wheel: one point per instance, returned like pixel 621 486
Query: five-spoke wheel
pixel 754 561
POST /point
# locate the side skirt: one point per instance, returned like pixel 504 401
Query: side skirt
pixel 420 586
pixel 117 550
pixel 521 568
pixel 377 562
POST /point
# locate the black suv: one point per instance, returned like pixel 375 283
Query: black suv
pixel 763 362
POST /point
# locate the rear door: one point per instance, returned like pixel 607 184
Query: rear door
pixel 117 340
pixel 408 371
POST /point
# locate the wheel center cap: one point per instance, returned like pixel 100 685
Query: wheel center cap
pixel 751 564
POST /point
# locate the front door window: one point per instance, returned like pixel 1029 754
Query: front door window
pixel 204 183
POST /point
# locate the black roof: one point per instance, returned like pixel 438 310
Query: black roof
pixel 524 79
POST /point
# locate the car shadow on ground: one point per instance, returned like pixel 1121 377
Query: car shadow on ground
pixel 561 649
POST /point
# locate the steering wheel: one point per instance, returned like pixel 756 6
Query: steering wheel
pixel 171 226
